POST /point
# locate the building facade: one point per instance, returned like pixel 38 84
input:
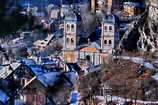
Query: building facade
pixel 133 8
pixel 95 52
pixel 105 5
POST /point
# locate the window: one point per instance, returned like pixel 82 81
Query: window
pixel 72 40
pixel 105 28
pixel 72 27
pixel 67 27
pixel 110 28
pixel 106 17
pixel 105 41
pixel 23 81
pixel 67 40
pixel 88 58
pixel 110 42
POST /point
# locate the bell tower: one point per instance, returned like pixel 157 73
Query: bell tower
pixel 70 35
pixel 110 33
pixel 71 31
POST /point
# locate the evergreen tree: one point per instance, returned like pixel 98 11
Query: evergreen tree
pixel 11 22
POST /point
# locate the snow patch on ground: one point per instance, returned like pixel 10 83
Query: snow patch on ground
pixel 140 61
pixel 121 101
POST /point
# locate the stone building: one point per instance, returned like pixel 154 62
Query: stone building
pixel 96 51
pixel 133 8
pixel 106 5
pixel 54 13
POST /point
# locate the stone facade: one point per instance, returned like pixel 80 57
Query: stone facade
pixel 132 8
pixel 73 51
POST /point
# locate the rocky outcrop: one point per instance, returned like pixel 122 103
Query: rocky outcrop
pixel 148 39
pixel 144 35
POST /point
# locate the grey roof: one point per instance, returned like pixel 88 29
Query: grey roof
pixel 96 45
pixel 70 78
pixel 49 79
pixel 38 3
pixel 54 78
pixel 38 69
pixel 109 19
pixel 73 17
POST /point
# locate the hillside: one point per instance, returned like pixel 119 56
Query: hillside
pixel 143 36
pixel 123 79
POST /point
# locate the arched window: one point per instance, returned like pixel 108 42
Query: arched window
pixel 67 40
pixel 72 27
pixel 72 41
pixel 105 28
pixel 105 41
pixel 88 58
pixel 67 27
pixel 110 28
pixel 110 42
pixel 106 17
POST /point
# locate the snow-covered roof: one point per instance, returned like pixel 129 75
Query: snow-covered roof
pixel 111 19
pixel 40 3
pixel 49 79
pixel 155 76
pixel 28 62
pixel 134 4
pixel 73 76
pixel 7 70
pixel 44 42
pixel 29 49
pixel 73 17
pixel 51 62
pixel 95 45
pixel 1 67
pixel 38 69
pixel 3 97
pixel 19 102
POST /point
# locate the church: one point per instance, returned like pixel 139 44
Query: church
pixel 75 49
